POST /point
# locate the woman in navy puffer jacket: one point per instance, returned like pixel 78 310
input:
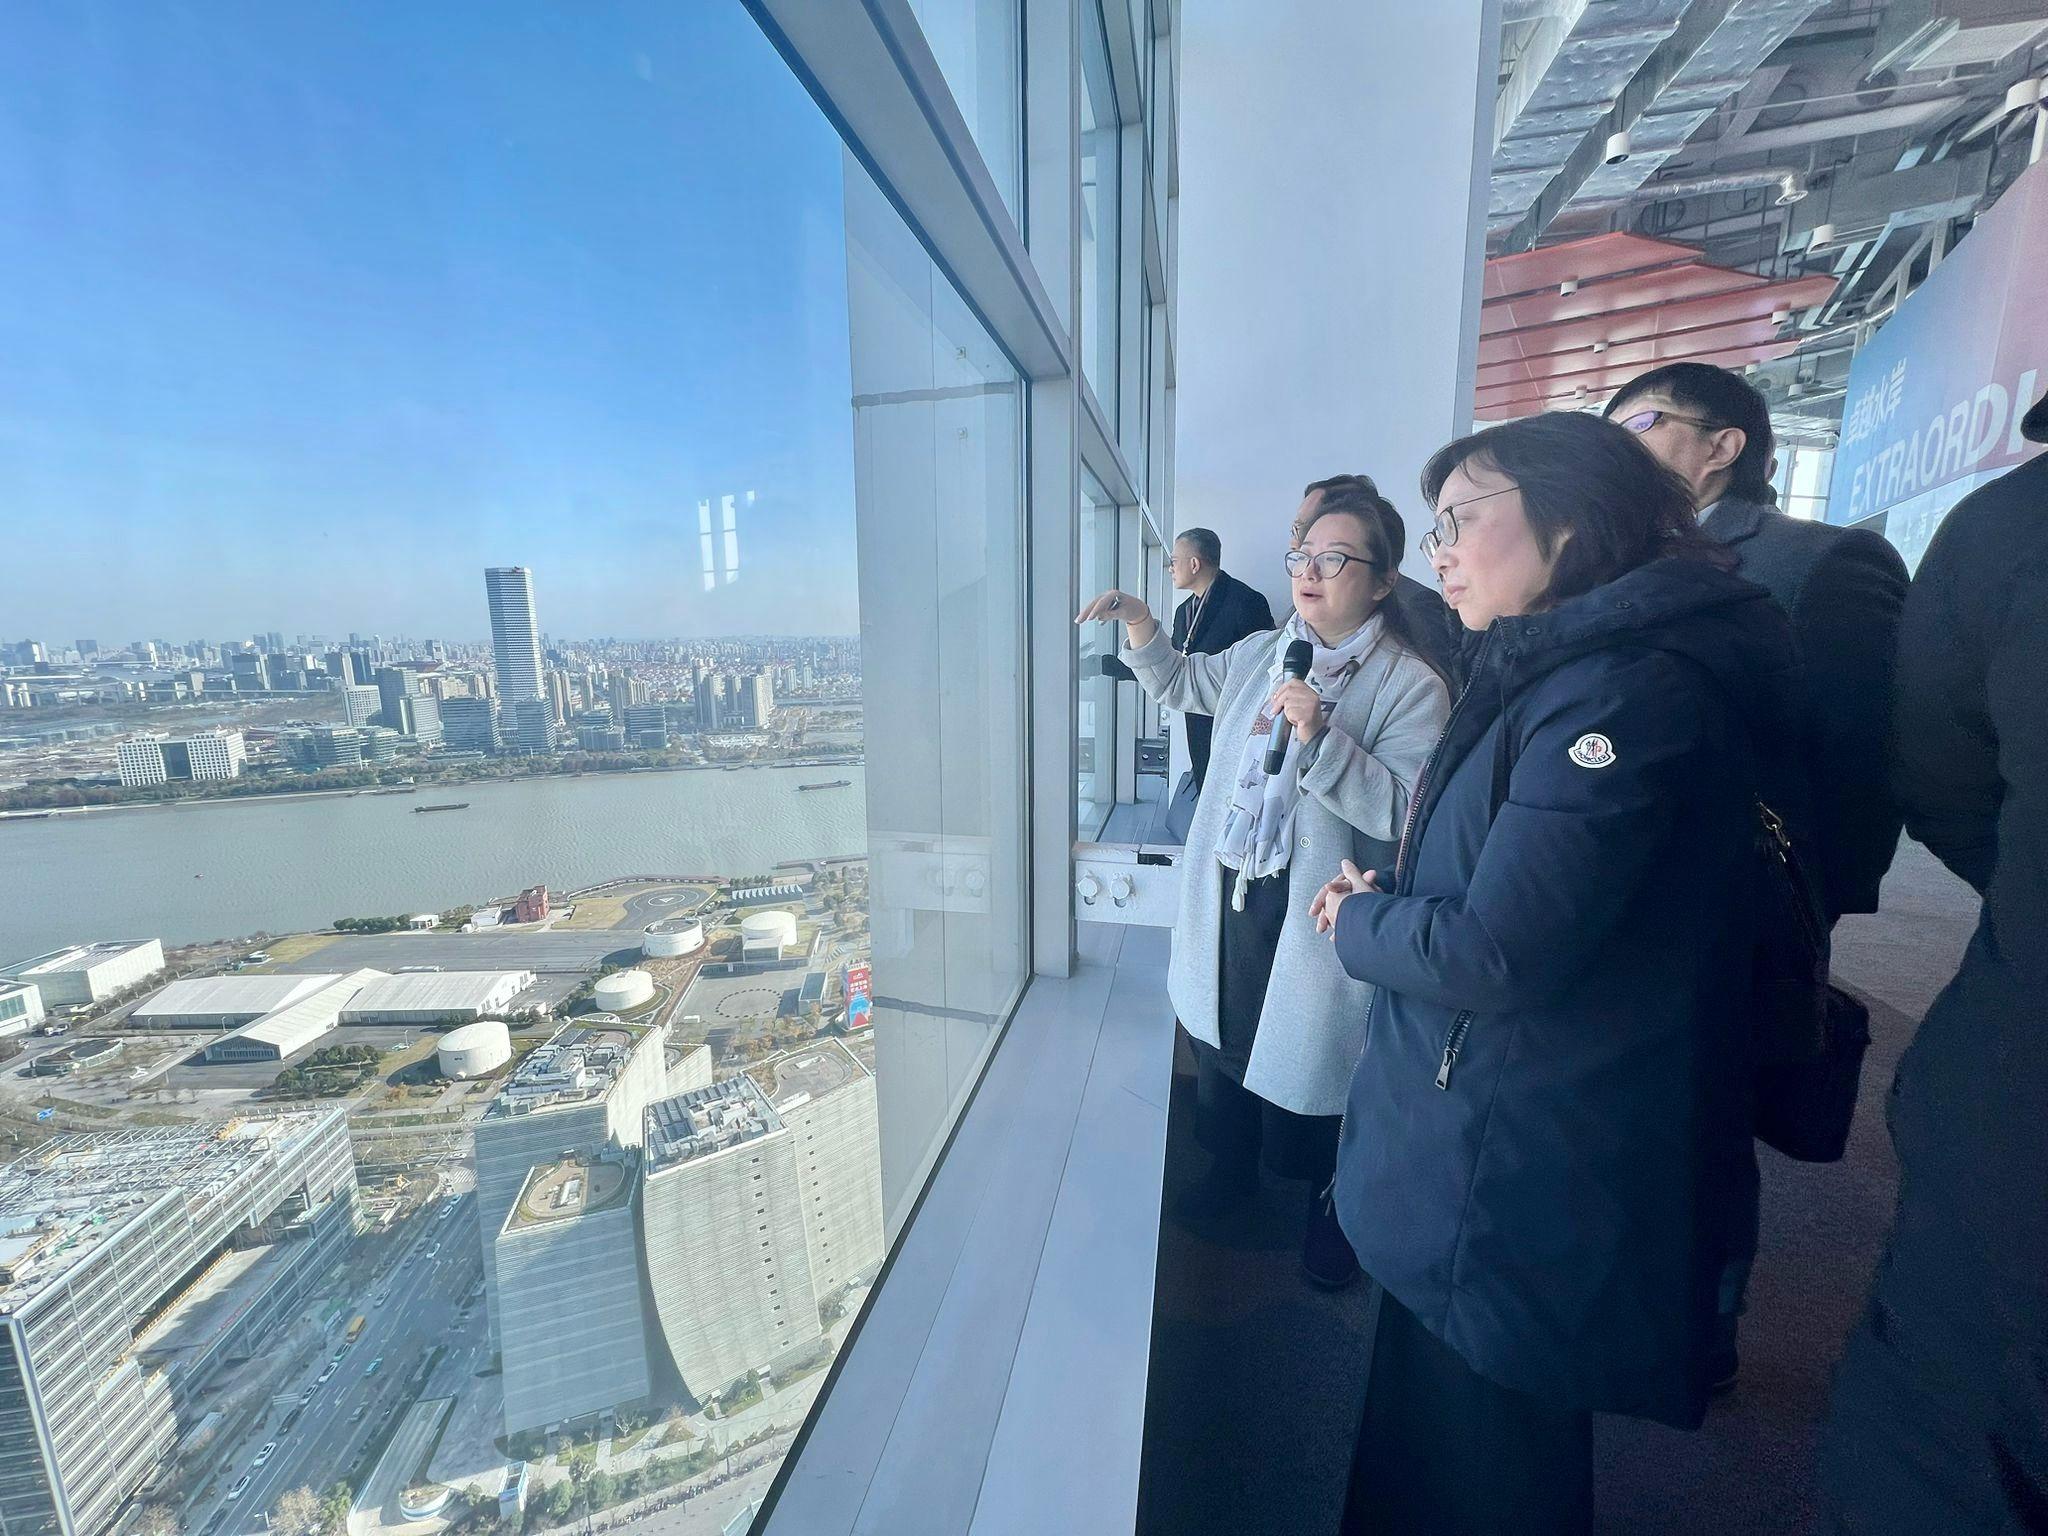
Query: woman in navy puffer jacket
pixel 1547 1141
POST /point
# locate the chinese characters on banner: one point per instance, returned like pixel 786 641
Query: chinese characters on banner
pixel 1935 400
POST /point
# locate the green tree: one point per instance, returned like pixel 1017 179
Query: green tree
pixel 603 1490
pixel 334 1508
pixel 561 1497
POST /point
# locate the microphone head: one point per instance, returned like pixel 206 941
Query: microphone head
pixel 1299 658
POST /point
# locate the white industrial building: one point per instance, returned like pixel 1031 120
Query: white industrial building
pixel 21 1007
pixel 767 935
pixel 224 1002
pixel 475 1049
pixel 140 762
pixel 672 937
pixel 436 997
pixel 88 973
pixel 290 1029
pixel 623 989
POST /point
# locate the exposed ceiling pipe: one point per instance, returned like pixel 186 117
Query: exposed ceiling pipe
pixel 1697 186
pixel 1909 114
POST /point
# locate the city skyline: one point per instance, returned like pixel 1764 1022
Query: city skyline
pixel 494 295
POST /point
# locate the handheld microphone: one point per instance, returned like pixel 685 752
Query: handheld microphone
pixel 1300 655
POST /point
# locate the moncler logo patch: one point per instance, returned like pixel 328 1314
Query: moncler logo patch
pixel 1592 750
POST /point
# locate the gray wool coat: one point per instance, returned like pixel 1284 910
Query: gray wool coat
pixel 1356 778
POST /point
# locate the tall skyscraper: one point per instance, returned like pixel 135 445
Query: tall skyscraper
pixel 515 633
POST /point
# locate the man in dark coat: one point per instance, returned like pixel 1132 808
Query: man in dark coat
pixel 1843 589
pixel 1219 611
pixel 1940 1412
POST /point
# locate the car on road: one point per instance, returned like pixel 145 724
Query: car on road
pixel 381 1297
pixel 269 1450
pixel 325 1375
pixel 448 1209
pixel 357 1416
pixel 371 1368
pixel 289 1420
pixel 240 1488
pixel 341 1354
pixel 409 1258
pixel 434 1252
pixel 306 1396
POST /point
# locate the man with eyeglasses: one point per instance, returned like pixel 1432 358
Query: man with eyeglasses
pixel 1844 590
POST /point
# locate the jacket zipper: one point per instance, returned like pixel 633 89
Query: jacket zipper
pixel 1443 1076
pixel 1453 1042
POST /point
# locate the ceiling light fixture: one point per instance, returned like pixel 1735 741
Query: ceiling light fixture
pixel 1568 287
pixel 1618 147
pixel 2024 93
pixel 1823 234
pixel 1791 188
pixel 1599 346
pixel 1780 316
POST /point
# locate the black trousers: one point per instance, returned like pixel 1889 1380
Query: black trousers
pixel 1445 1451
pixel 1232 1123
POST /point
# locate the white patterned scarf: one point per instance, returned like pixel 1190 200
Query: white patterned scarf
pixel 1258 829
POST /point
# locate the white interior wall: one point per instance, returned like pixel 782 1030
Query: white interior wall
pixel 1333 163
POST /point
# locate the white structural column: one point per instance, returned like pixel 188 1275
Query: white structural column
pixel 1333 158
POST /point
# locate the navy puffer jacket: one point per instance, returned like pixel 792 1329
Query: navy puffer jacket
pixel 1547 1145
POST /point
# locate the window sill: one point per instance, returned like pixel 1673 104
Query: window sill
pixel 997 1384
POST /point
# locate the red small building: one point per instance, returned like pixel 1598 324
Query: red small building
pixel 532 905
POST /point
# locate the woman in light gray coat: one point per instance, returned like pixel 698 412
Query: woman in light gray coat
pixel 1276 1023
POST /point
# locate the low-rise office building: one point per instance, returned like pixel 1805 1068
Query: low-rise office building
pixel 21 1007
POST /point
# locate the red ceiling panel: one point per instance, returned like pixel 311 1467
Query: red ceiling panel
pixel 1662 286
pixel 1597 256
pixel 1637 322
pixel 1647 301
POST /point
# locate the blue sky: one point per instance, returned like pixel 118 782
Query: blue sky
pixel 311 312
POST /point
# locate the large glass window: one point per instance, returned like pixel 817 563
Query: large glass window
pixel 977 45
pixel 519 735
pixel 1801 481
pixel 1100 206
pixel 1095 572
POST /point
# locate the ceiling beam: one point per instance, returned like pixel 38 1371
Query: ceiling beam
pixel 1699 23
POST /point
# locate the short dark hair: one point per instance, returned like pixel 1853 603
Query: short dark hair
pixel 1203 541
pixel 1583 475
pixel 1725 399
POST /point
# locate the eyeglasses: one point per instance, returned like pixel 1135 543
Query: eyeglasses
pixel 1328 565
pixel 1443 533
pixel 1642 421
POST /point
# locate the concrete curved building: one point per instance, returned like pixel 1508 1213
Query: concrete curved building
pixel 766 935
pixel 475 1049
pixel 671 937
pixel 623 989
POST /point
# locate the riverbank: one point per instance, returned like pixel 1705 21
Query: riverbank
pixel 276 796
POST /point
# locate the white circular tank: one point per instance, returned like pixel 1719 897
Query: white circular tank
pixel 767 930
pixel 672 937
pixel 623 989
pixel 475 1049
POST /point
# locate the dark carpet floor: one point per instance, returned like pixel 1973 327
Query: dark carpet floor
pixel 1256 1378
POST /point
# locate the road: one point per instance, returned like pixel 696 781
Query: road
pixel 423 1299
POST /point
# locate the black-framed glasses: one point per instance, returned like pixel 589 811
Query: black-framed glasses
pixel 1443 532
pixel 1329 564
pixel 1640 422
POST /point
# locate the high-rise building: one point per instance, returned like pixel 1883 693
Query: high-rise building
pixel 572 1309
pixel 646 726
pixel 106 1231
pixel 530 726
pixel 216 754
pixel 423 718
pixel 359 705
pixel 249 672
pixel 140 760
pixel 468 725
pixel 394 684
pixel 584 1090
pixel 337 746
pixel 710 711
pixel 727 1255
pixel 88 648
pixel 561 703
pixel 515 632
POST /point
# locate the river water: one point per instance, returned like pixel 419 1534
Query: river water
pixel 223 869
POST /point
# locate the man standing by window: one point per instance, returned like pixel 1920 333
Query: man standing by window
pixel 1843 589
pixel 1219 611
